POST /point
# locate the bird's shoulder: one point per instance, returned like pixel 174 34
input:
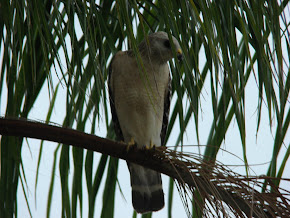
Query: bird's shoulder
pixel 121 56
pixel 123 62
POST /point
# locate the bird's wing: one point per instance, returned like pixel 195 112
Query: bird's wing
pixel 167 99
pixel 115 120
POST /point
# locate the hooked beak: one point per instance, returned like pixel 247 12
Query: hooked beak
pixel 179 54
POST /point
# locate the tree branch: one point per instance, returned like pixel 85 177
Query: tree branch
pixel 235 192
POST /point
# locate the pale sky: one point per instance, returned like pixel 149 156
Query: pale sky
pixel 259 151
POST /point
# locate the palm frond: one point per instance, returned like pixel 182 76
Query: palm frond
pixel 69 44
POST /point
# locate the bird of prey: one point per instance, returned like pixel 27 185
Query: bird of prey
pixel 140 94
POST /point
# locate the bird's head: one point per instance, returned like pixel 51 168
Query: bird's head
pixel 161 48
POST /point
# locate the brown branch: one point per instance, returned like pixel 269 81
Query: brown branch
pixel 233 191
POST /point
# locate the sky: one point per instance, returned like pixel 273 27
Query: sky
pixel 259 152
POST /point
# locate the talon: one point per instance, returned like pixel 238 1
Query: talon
pixel 146 147
pixel 130 144
pixel 149 147
pixel 152 145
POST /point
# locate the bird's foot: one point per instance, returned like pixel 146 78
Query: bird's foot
pixel 130 144
pixel 149 147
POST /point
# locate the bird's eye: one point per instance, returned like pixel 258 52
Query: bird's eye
pixel 167 43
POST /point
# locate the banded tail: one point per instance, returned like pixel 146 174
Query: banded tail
pixel 147 192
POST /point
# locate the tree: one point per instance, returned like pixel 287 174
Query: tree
pixel 75 41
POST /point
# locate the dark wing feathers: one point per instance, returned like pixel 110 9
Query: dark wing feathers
pixel 166 110
pixel 118 131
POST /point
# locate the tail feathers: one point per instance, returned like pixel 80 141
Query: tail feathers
pixel 147 192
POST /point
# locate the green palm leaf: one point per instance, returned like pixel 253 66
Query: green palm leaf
pixel 69 44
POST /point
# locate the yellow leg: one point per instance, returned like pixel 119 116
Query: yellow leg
pixel 151 146
pixel 131 144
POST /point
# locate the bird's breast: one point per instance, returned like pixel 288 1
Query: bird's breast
pixel 139 102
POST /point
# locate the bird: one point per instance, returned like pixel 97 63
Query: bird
pixel 140 94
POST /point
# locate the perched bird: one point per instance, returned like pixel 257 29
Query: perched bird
pixel 140 94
